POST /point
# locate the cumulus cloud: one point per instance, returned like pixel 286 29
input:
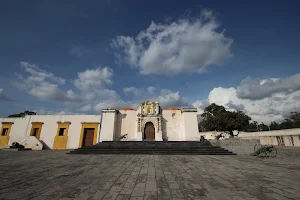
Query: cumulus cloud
pixel 89 85
pixel 37 74
pixel 3 96
pixel 168 98
pixel 256 89
pixel 112 104
pixel 86 108
pixel 275 107
pixel 138 92
pixel 200 105
pixel 53 112
pixel 44 85
pixel 132 90
pixel 183 46
pixel 94 78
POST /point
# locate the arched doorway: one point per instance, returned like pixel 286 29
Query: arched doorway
pixel 149 131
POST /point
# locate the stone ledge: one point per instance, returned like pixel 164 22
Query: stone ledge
pixel 7 122
pixel 109 110
pixel 90 122
pixel 189 110
pixel 37 122
pixel 67 122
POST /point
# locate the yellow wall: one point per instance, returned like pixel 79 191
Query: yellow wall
pixel 88 125
pixel 60 141
pixel 4 139
pixel 36 125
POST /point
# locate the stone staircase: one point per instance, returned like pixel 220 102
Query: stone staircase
pixel 147 147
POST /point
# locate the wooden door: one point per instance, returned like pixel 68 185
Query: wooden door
pixel 149 131
pixel 88 138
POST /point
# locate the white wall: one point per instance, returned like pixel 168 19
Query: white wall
pixel 127 123
pixel 287 137
pixel 294 131
pixel 22 127
pixel 109 125
pixel 191 126
pixel 172 125
pixel 18 129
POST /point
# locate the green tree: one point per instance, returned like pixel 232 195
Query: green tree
pixel 22 114
pixel 274 126
pixel 217 118
pixel 286 124
pixel 295 117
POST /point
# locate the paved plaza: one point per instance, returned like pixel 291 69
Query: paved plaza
pixel 56 175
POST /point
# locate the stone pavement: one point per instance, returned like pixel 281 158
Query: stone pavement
pixel 56 175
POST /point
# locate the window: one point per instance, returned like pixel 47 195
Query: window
pixel 4 132
pixel 62 131
pixel 35 132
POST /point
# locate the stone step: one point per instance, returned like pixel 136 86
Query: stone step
pixel 16 149
pixel 151 147
pixel 153 152
pixel 162 150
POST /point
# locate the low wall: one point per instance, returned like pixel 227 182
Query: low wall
pixel 236 145
pixel 287 137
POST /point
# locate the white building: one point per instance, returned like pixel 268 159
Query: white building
pixel 147 123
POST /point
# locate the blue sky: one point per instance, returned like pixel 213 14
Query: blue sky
pixel 78 57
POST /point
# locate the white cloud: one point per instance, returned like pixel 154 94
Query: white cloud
pixel 200 105
pixel 53 112
pixel 183 46
pixel 133 90
pixel 255 89
pixel 37 74
pixel 44 85
pixel 168 98
pixel 3 96
pixel 138 92
pixel 86 108
pixel 94 78
pixel 275 107
pixel 111 104
pixel 151 89
pixel 90 84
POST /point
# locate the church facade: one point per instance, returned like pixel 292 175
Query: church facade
pixel 148 123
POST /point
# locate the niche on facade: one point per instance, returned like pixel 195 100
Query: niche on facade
pixel 124 116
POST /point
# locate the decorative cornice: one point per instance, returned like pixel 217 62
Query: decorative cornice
pixel 7 122
pixel 37 122
pixel 189 110
pixel 90 122
pixel 148 115
pixel 59 122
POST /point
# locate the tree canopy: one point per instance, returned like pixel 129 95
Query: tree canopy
pixel 217 118
pixel 292 122
pixel 22 114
